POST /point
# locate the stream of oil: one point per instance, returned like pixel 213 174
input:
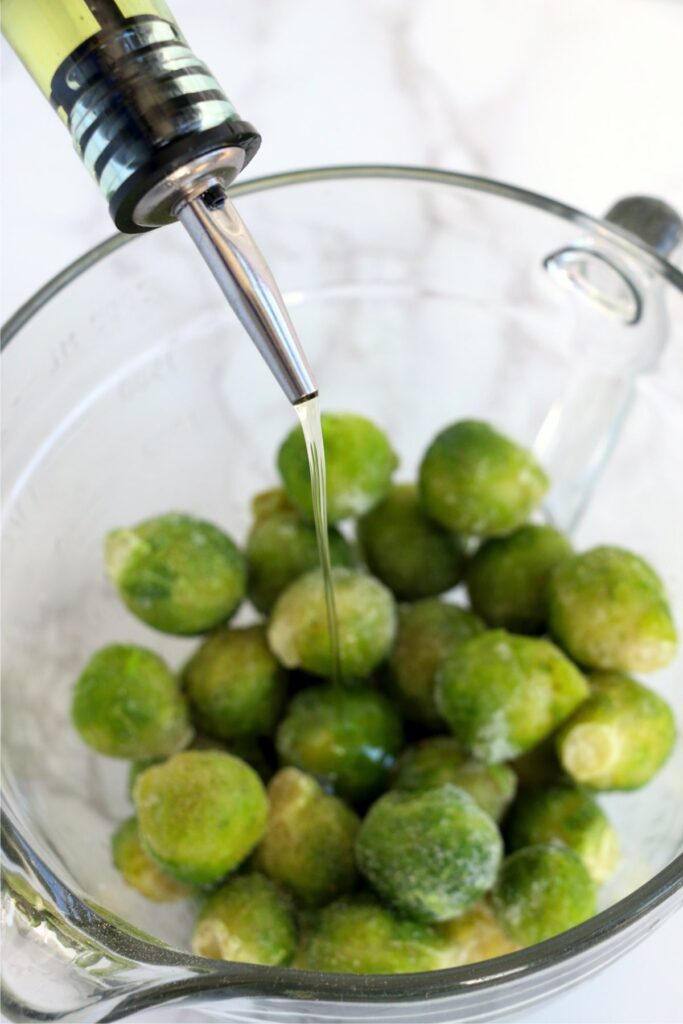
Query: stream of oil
pixel 309 416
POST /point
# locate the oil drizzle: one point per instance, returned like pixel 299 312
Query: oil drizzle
pixel 309 416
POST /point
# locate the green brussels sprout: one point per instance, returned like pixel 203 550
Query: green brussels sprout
pixel 620 737
pixel 507 579
pixel 475 481
pixel 566 814
pixel 474 936
pixel 349 738
pixel 234 685
pixel 281 547
pixel 542 891
pixel 359 464
pixel 413 555
pixel 366 620
pixel 178 574
pixel 246 920
pixel 357 935
pixel 200 814
pixel 607 608
pixel 308 846
pixel 502 694
pixel 138 868
pixel 430 853
pixel 428 632
pixel 441 759
pixel 127 704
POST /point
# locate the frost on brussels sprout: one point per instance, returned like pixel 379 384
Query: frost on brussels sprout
pixel 413 555
pixel 608 610
pixel 475 481
pixel 366 620
pixel 176 573
pixel 428 632
pixel 282 546
pixel 502 694
pixel 309 842
pixel 542 891
pixel 474 936
pixel 200 814
pixel 431 853
pixel 620 737
pixel 507 579
pixel 235 686
pixel 138 868
pixel 569 815
pixel 359 465
pixel 127 704
pixel 247 920
pixel 349 738
pixel 441 759
pixel 357 935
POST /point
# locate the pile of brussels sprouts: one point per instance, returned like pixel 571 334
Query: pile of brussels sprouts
pixel 435 809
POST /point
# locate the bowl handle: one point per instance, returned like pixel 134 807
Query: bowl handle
pixel 621 330
pixel 68 960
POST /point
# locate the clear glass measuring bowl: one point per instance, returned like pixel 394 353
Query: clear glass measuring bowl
pixel 421 297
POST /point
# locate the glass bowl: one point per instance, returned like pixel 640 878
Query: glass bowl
pixel 421 297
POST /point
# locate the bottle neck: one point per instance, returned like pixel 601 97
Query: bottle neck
pixel 140 106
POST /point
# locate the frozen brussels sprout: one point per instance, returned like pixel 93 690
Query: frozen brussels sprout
pixel 234 685
pixel 565 814
pixel 441 759
pixel 366 620
pixel 349 738
pixel 357 935
pixel 620 737
pixel 309 840
pixel 430 853
pixel 176 573
pixel 607 608
pixel 542 891
pixel 138 868
pixel 247 920
pixel 127 704
pixel 428 632
pixel 282 546
pixel 200 814
pixel 475 481
pixel 413 555
pixel 502 694
pixel 474 936
pixel 359 465
pixel 507 579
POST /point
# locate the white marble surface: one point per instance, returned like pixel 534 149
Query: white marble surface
pixel 580 101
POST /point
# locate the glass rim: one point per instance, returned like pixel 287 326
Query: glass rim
pixel 628 242
pixel 96 923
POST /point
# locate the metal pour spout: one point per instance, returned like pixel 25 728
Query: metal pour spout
pixel 245 279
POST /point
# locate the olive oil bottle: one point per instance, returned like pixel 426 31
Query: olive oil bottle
pixel 163 142
pixel 138 103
